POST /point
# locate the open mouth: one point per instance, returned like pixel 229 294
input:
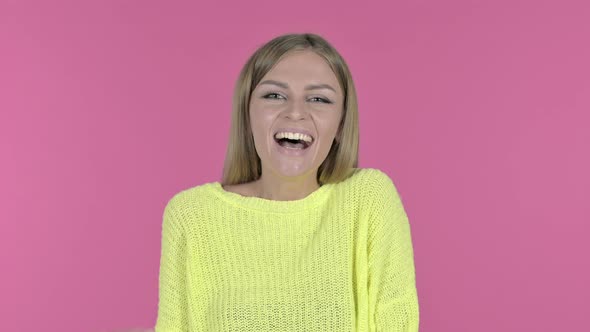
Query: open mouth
pixel 293 143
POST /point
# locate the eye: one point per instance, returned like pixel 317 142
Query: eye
pixel 267 96
pixel 323 100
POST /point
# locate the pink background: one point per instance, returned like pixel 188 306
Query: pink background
pixel 479 111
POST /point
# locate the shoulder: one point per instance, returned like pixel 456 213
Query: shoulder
pixel 373 180
pixel 243 189
pixel 372 175
pixel 376 187
pixel 186 200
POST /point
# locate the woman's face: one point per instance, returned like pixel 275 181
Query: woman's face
pixel 299 94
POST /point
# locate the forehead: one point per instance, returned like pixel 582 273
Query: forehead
pixel 299 68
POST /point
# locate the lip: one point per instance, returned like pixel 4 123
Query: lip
pixel 295 130
pixel 290 152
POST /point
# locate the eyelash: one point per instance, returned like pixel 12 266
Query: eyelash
pixel 323 100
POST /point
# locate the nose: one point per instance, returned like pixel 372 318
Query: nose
pixel 296 110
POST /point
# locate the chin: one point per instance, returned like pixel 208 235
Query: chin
pixel 294 170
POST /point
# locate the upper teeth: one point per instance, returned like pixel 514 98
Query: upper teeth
pixel 288 135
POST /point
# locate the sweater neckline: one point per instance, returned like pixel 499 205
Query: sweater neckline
pixel 314 199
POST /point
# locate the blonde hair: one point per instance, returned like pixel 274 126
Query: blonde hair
pixel 242 163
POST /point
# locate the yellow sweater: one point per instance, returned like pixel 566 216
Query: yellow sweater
pixel 340 259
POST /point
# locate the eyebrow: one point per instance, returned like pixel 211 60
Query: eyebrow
pixel 308 87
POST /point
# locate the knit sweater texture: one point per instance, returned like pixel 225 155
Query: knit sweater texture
pixel 339 259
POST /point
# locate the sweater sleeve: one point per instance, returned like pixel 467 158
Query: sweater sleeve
pixel 393 298
pixel 172 305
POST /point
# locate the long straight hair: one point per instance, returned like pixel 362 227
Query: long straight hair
pixel 242 163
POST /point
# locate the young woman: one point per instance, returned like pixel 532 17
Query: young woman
pixel 295 237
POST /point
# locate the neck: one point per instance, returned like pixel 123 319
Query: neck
pixel 281 188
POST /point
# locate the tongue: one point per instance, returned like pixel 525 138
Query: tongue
pixel 285 143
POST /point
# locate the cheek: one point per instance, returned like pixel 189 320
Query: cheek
pixel 329 124
pixel 261 122
pixel 263 116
